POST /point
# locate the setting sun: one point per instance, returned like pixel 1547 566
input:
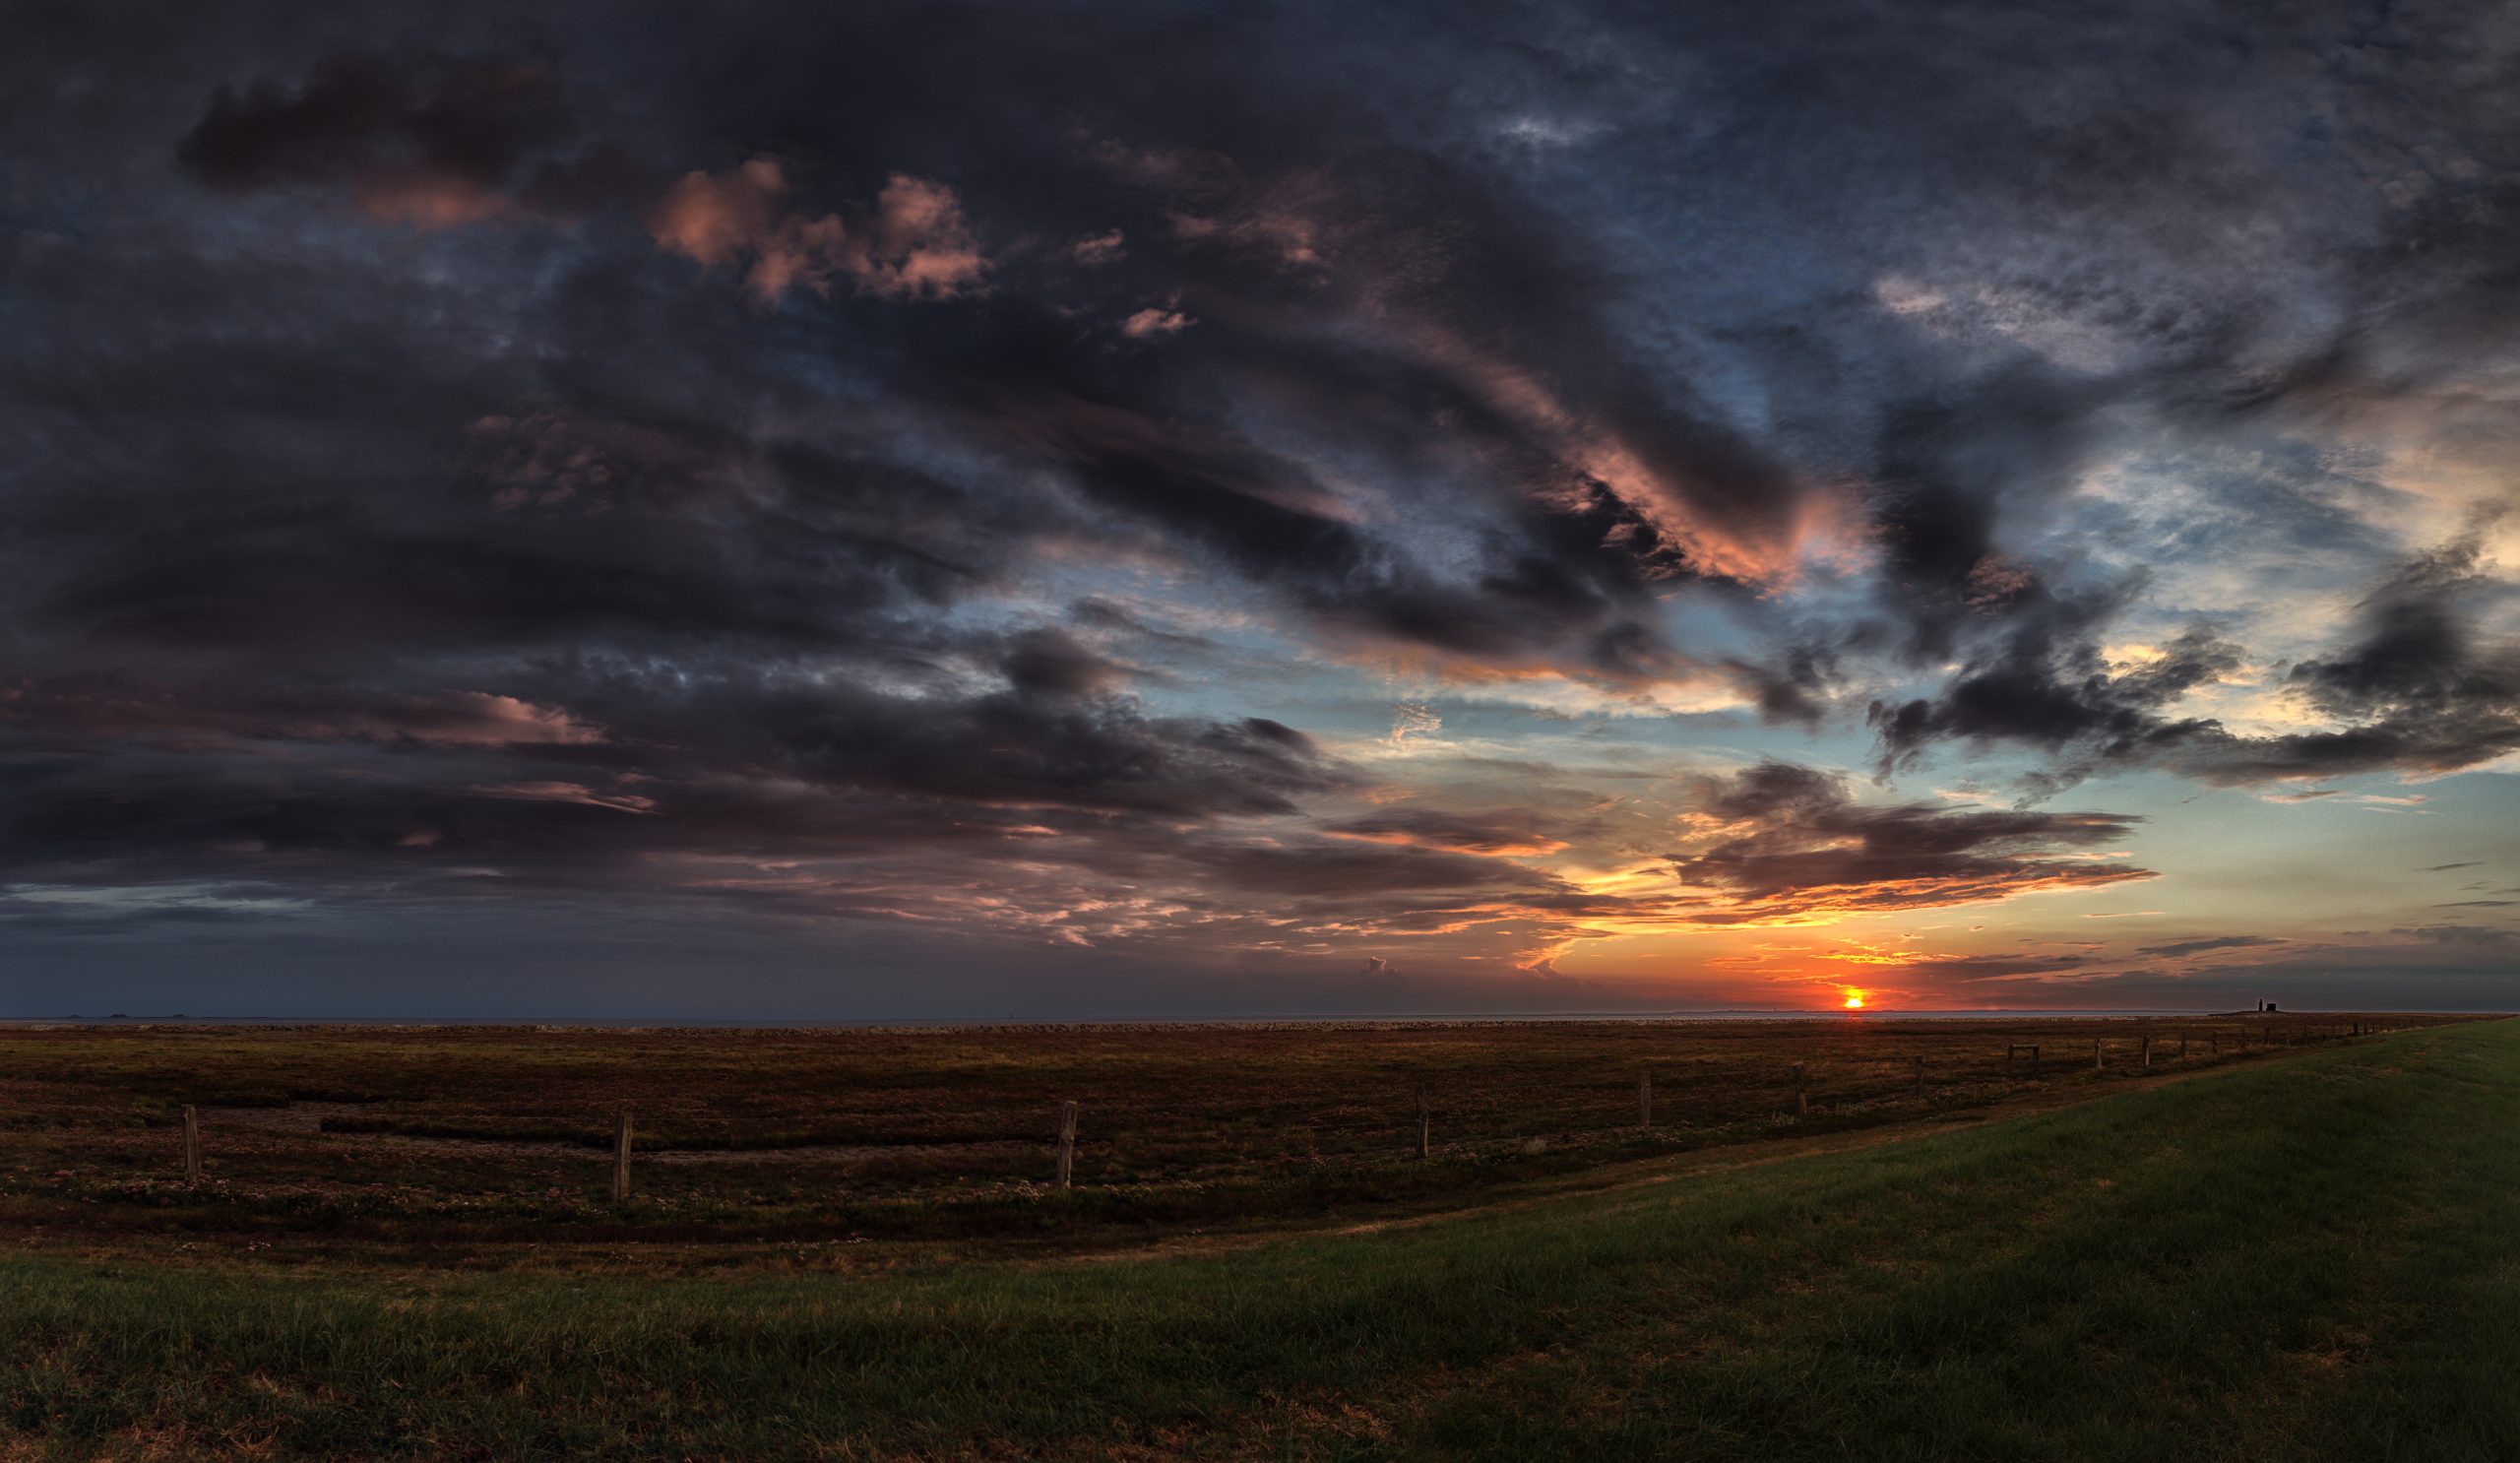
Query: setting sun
pixel 1855 1001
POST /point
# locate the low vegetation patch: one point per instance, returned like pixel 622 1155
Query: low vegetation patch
pixel 2317 1258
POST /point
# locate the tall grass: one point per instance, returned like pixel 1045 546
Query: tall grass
pixel 2318 1259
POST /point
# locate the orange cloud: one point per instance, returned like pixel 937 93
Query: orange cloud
pixel 555 792
pixel 429 202
pixel 1496 845
pixel 1151 322
pixel 712 220
pixel 914 242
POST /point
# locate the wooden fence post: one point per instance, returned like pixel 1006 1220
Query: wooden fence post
pixel 1801 1101
pixel 1426 1124
pixel 1645 1100
pixel 2213 1044
pixel 621 1158
pixel 1067 1144
pixel 2183 1046
pixel 192 1146
pixel 1919 1063
pixel 2008 1051
pixel 2095 1054
pixel 2144 1051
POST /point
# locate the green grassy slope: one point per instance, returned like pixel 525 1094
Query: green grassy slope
pixel 2315 1258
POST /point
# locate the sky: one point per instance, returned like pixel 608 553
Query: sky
pixel 796 511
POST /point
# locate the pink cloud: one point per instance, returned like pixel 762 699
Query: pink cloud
pixel 578 792
pixel 915 241
pixel 1100 248
pixel 799 251
pixel 921 243
pixel 477 719
pixel 1151 322
pixel 427 202
pixel 712 220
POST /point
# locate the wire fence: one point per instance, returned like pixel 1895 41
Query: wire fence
pixel 1674 1087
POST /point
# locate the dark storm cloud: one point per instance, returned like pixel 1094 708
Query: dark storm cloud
pixel 1043 748
pixel 1791 840
pixel 2419 689
pixel 417 136
pixel 1946 472
pixel 2067 346
pixel 2461 934
pixel 1965 968
pixel 2045 685
pixel 2182 948
pixel 375 590
pixel 1499 833
pixel 2416 654
pixel 153 771
pixel 1283 233
pixel 1282 247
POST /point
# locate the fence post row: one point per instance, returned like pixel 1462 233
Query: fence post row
pixel 621 1138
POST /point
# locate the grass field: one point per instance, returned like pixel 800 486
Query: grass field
pixel 2313 1257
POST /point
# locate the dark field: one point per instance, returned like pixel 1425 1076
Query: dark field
pixel 476 1140
pixel 2314 1256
